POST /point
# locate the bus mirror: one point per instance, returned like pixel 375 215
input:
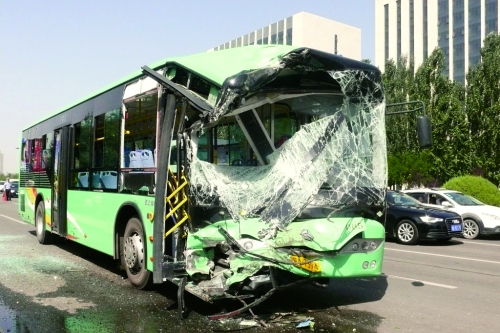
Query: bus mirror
pixel 424 132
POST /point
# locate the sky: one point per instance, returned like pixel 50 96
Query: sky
pixel 56 52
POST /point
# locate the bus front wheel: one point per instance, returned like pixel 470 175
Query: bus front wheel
pixel 134 254
pixel 43 236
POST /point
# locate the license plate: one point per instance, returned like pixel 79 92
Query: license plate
pixel 313 266
pixel 457 227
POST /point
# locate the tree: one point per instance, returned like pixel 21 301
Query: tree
pixel 444 104
pixel 483 110
pixel 398 83
pixel 444 100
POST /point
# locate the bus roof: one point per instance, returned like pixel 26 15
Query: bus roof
pixel 215 66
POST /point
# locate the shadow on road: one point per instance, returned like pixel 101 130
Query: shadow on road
pixel 93 256
pixel 321 304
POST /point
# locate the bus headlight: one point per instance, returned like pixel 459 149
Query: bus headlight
pixel 362 245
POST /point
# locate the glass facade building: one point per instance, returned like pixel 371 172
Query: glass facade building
pixel 457 27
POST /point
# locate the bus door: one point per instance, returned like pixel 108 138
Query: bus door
pixel 60 183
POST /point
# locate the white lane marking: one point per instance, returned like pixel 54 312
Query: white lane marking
pixel 445 256
pixel 478 243
pixel 10 218
pixel 424 282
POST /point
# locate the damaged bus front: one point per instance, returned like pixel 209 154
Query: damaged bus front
pixel 279 180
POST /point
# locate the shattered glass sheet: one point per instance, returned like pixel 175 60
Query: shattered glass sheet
pixel 344 152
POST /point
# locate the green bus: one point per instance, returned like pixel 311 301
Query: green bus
pixel 231 174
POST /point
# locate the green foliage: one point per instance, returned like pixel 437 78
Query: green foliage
pixel 411 168
pixel 398 80
pixel 9 175
pixel 465 120
pixel 477 187
pixel 483 105
pixel 444 104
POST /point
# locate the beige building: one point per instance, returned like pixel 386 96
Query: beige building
pixel 308 30
pixel 414 28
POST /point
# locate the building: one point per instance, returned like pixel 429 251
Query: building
pixel 414 28
pixel 308 30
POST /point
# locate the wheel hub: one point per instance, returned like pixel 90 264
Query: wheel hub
pixel 133 251
pixel 405 233
pixel 39 223
pixel 469 229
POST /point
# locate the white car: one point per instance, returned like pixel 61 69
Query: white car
pixel 479 219
pixel 1 185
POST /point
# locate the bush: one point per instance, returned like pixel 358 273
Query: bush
pixel 477 187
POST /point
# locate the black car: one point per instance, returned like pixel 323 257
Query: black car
pixel 14 189
pixel 408 220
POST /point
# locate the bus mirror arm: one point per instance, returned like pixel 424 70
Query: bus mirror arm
pixel 424 130
pixel 194 100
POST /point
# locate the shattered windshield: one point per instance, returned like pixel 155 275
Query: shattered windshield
pixel 280 153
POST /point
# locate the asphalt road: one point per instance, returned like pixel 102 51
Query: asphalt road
pixel 67 288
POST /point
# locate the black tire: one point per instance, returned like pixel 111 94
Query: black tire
pixel 134 254
pixel 43 236
pixel 471 229
pixel 407 232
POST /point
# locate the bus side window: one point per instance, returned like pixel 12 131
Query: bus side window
pixel 81 154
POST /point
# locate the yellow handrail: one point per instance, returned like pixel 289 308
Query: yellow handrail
pixel 185 217
pixel 175 193
pixel 177 207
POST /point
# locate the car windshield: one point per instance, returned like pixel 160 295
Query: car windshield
pixel 401 199
pixel 463 199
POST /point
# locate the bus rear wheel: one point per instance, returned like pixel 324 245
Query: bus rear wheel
pixel 43 236
pixel 134 254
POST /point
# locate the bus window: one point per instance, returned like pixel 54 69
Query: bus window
pixel 139 144
pixel 82 133
pixel 230 146
pixel 106 149
pixel 140 132
pixel 285 125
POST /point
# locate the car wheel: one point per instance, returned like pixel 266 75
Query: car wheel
pixel 407 233
pixel 471 229
pixel 134 254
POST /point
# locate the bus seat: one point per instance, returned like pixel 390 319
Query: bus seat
pixel 147 159
pixel 96 180
pixel 135 159
pixel 109 179
pixel 83 179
